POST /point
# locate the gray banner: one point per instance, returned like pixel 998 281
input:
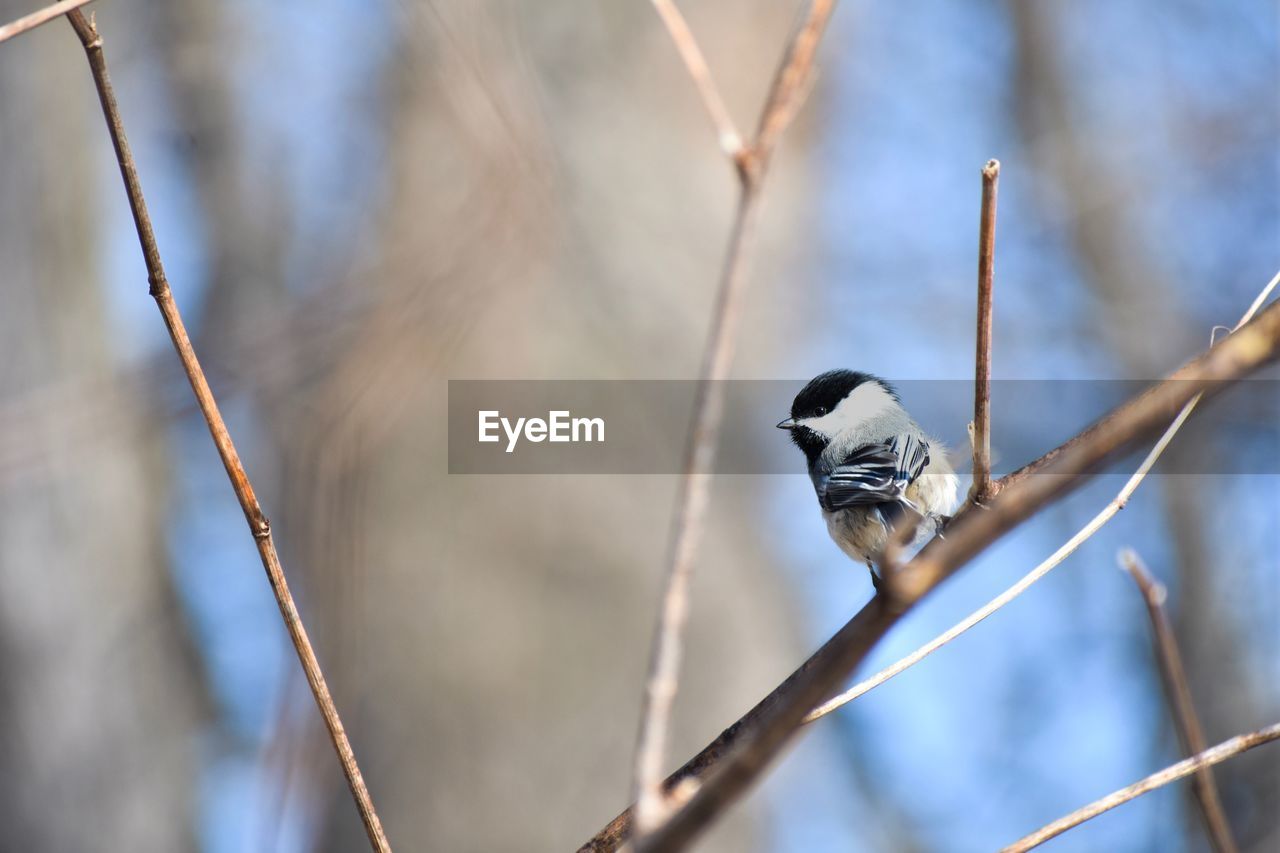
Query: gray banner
pixel 640 426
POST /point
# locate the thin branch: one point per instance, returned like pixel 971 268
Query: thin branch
pixel 792 83
pixel 1208 758
pixel 730 763
pixel 694 491
pixel 727 133
pixel 1067 549
pixel 691 506
pixel 1178 691
pixel 259 526
pixel 38 17
pixel 982 488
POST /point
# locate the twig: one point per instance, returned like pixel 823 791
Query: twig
pixel 694 491
pixel 1207 758
pixel 691 505
pixel 727 133
pixel 791 84
pixel 982 488
pixel 38 17
pixel 259 526
pixel 1178 691
pixel 731 762
pixel 1067 549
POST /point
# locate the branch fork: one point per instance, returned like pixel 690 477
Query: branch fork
pixel 751 161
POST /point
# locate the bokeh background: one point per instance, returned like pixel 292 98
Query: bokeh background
pixel 358 201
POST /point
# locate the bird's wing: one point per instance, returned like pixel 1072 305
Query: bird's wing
pixel 874 474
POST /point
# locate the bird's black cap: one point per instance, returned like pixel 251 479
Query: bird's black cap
pixel 823 393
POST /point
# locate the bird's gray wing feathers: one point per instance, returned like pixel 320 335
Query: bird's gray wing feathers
pixel 874 474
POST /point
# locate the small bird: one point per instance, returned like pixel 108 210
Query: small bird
pixel 869 462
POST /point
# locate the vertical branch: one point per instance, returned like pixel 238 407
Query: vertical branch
pixel 259 525
pixel 982 487
pixel 751 161
pixel 1207 758
pixel 1178 691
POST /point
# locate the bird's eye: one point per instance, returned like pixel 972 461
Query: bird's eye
pixel 820 411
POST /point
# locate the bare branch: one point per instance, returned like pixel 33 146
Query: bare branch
pixel 1067 549
pixel 792 82
pixel 981 489
pixel 691 506
pixel 1208 758
pixel 259 526
pixel 691 502
pixel 1178 691
pixel 731 762
pixel 38 17
pixel 729 137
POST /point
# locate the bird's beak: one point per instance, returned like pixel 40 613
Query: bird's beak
pixel 789 423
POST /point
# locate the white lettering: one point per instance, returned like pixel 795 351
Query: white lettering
pixel 488 423
pixel 587 425
pixel 560 426
pixel 513 435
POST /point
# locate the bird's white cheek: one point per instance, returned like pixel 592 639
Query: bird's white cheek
pixel 816 426
pixel 865 402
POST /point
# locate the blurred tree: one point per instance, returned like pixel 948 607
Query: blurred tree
pixel 99 691
pixel 486 637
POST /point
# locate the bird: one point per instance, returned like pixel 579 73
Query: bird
pixel 869 461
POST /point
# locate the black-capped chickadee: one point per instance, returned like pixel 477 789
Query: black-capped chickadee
pixel 869 462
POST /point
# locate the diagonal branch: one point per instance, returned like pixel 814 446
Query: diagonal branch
pixel 690 509
pixel 729 137
pixel 38 17
pixel 694 490
pixel 730 763
pixel 1066 550
pixel 792 82
pixel 259 526
pixel 982 487
pixel 1174 678
pixel 1207 758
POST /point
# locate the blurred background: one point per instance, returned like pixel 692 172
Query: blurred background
pixel 358 201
